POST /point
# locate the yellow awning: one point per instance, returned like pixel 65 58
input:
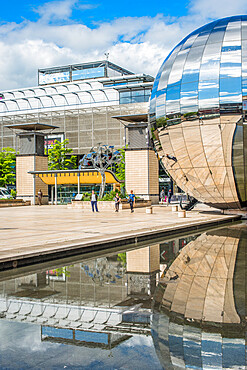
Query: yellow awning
pixel 71 178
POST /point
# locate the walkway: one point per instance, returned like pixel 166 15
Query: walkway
pixel 38 231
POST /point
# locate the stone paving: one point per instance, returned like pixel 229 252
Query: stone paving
pixel 28 231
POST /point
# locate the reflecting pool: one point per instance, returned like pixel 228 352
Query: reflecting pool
pixel 172 304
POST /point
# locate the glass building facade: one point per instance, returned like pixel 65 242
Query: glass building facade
pixel 198 113
pixel 81 101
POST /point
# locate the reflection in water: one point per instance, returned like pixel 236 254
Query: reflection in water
pixel 181 300
pixel 199 316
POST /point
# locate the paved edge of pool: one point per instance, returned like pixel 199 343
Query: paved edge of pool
pixel 71 249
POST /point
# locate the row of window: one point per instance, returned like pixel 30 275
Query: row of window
pixel 134 96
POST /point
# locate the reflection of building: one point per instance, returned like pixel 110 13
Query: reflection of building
pixel 86 304
pixel 80 100
pixel 199 318
pixel 198 117
pixel 142 267
pixel 103 340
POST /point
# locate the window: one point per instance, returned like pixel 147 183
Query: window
pixel 134 96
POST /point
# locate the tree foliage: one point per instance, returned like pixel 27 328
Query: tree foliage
pixel 60 158
pixel 120 167
pixel 7 166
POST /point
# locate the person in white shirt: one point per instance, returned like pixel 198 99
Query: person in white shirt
pixel 94 199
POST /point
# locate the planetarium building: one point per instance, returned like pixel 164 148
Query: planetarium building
pixel 198 113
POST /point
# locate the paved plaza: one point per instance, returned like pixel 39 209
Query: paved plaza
pixel 32 231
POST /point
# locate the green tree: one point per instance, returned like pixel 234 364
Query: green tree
pixel 120 167
pixel 122 258
pixel 60 158
pixel 7 166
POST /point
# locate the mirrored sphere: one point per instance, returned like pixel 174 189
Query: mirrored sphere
pixel 198 113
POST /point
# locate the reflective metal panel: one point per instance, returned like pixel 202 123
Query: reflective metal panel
pixel 198 111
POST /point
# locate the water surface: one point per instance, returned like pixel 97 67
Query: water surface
pixel 171 304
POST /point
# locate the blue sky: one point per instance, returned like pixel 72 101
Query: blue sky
pixel 92 12
pixel 138 35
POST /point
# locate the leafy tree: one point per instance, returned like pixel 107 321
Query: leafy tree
pixel 120 168
pixel 59 156
pixel 122 258
pixel 7 166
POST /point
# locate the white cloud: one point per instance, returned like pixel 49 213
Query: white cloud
pixel 219 9
pixel 55 10
pixel 136 43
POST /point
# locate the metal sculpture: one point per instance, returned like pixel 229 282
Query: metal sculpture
pixel 100 158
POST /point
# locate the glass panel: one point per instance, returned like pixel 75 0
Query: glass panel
pixel 244 65
pixel 230 59
pixel 238 161
pixel 217 34
pixel 189 42
pixel 125 94
pixel 88 73
pixel 244 29
pixel 166 71
pixel 177 68
pixel 147 92
pixel 210 62
pixel 203 36
pixel 172 99
pixel 160 103
pixel 230 90
pixel 208 94
pixel 230 68
pixel 192 65
pixel 189 97
pixel 137 92
pixel 152 106
pixel 233 31
pixel 124 100
pixel 138 99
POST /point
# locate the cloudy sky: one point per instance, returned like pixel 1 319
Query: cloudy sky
pixel 137 34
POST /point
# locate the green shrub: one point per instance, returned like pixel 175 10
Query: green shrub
pixel 13 193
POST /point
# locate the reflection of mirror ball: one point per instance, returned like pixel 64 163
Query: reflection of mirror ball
pixel 197 113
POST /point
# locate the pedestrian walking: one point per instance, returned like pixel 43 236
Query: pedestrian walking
pixel 40 196
pixel 117 202
pixel 162 195
pixel 94 199
pixel 131 201
pixel 169 196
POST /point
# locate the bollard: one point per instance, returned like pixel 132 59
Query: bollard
pixel 149 209
pixel 174 208
pixel 182 214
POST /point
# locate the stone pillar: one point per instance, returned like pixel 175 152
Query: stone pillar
pixel 142 173
pixel 142 267
pixel 25 184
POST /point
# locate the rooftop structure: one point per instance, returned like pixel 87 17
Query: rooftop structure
pixel 81 106
pixel 80 71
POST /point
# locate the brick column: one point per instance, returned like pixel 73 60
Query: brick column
pixel 142 173
pixel 25 184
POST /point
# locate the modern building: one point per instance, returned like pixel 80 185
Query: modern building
pixel 80 100
pixel 79 103
pixel 198 113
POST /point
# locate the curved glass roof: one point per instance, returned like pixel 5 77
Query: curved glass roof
pixel 80 94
